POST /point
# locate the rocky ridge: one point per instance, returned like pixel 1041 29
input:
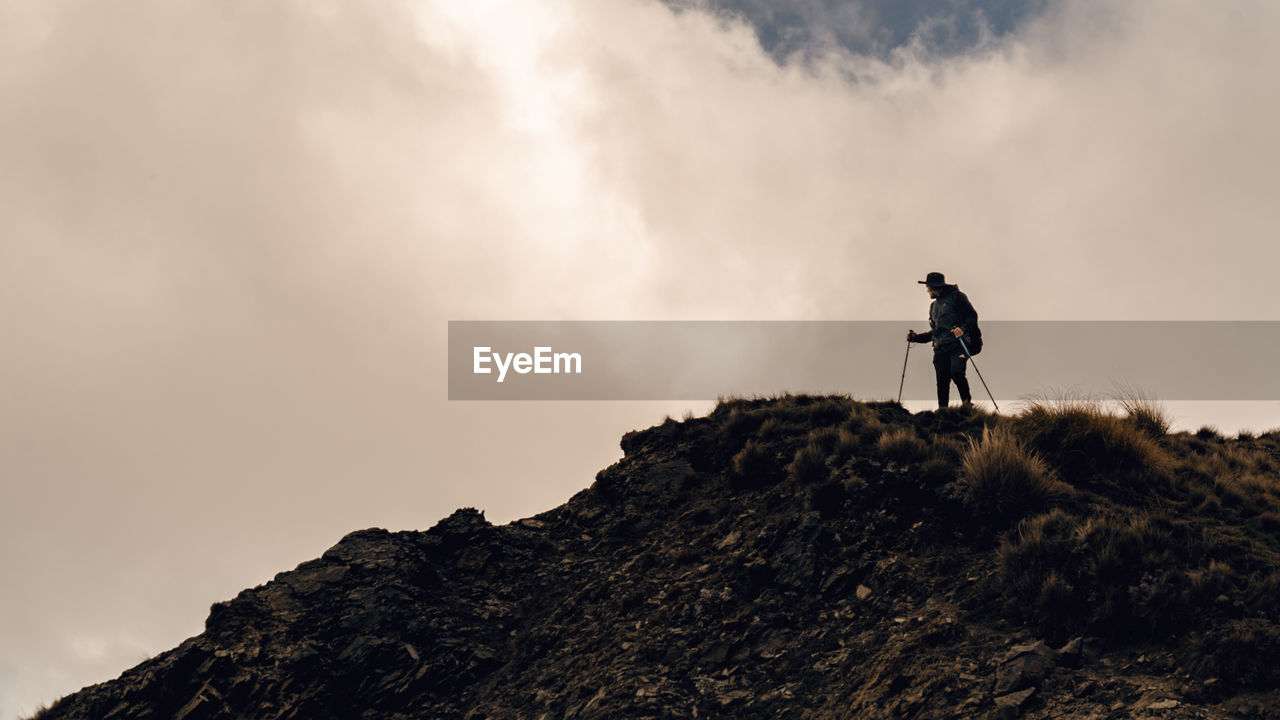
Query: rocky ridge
pixel 793 557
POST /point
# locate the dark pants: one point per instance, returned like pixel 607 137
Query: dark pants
pixel 950 368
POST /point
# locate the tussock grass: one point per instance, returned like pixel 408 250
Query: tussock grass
pixel 1236 478
pixel 846 447
pixel 1035 550
pixel 1116 549
pixel 948 449
pixel 1103 521
pixel 1244 652
pixel 1208 432
pixel 754 466
pixel 778 428
pixel 1130 573
pixel 902 445
pixel 1208 583
pixel 738 425
pixel 1071 575
pixel 1088 445
pixel 1007 480
pixel 779 420
pixel 938 471
pixel 826 439
pixel 821 411
pixel 812 410
pixel 864 425
pixel 809 465
pixel 1144 411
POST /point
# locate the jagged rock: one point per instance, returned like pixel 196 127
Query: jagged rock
pixel 1010 704
pixel 731 697
pixel 1071 655
pixel 729 540
pixel 1024 665
pixel 682 584
pixel 462 523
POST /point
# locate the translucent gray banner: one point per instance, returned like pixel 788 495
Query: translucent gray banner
pixel 702 360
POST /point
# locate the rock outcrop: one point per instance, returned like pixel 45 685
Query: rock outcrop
pixel 712 572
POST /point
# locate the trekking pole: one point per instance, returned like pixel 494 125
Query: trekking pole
pixel 904 372
pixel 975 368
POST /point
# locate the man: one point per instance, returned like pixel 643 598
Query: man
pixel 951 317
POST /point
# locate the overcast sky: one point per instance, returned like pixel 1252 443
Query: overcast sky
pixel 232 233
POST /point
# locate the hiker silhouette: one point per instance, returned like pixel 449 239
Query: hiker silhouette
pixel 951 317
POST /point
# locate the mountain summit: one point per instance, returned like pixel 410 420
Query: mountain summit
pixel 791 557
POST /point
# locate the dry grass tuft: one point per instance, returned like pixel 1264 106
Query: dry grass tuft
pixel 809 465
pixel 1242 652
pixel 1207 583
pixel 902 445
pixel 1144 411
pixel 826 438
pixel 1086 444
pixel 846 448
pixel 1007 480
pixel 754 466
pixel 1040 546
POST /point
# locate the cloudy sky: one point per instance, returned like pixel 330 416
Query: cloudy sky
pixel 232 234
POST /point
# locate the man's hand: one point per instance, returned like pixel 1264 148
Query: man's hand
pixel 957 332
pixel 911 335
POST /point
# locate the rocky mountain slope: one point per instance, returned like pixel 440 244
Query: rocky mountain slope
pixel 793 557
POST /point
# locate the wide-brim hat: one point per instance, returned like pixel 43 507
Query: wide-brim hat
pixel 934 279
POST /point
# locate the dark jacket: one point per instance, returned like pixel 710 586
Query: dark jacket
pixel 951 309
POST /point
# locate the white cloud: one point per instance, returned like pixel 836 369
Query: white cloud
pixel 233 233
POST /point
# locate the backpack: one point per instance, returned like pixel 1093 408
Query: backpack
pixel 974 340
